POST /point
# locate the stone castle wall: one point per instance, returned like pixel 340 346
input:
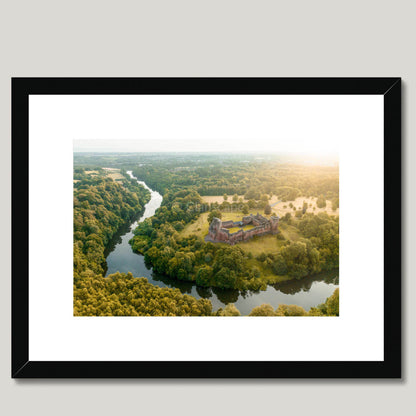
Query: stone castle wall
pixel 219 233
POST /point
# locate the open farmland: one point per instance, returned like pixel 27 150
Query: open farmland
pixel 219 199
pixel 281 208
pixel 115 176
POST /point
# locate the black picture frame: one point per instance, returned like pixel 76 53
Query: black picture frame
pixel 22 367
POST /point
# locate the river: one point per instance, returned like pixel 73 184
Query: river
pixel 306 292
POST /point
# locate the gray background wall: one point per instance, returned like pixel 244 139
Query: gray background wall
pixel 211 38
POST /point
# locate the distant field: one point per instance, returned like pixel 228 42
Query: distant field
pixel 112 173
pixel 114 176
pixel 279 208
pixel 219 198
pixel 298 203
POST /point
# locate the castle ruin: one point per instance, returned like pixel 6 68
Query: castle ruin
pixel 219 231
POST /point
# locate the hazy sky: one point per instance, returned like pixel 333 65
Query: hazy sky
pixel 189 145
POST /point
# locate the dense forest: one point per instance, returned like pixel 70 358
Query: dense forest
pixel 124 295
pixel 101 206
pixel 251 178
pixel 307 244
pixel 209 174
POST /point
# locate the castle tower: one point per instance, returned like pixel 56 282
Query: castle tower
pixel 274 222
pixel 214 227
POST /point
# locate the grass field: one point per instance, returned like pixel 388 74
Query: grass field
pixel 245 228
pixel 298 203
pixel 279 208
pixel 219 199
pixel 198 227
pixel 112 173
pixel 290 232
pixel 263 244
pixel 115 175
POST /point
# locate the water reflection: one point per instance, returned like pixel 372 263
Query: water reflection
pixel 183 286
pixel 204 292
pixel 226 296
pixel 307 292
pixel 304 285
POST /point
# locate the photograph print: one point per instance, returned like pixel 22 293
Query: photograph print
pixel 217 227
